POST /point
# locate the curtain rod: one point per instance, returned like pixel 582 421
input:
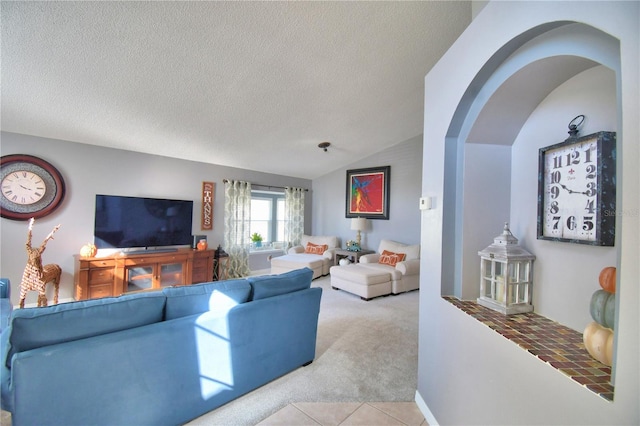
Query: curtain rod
pixel 264 186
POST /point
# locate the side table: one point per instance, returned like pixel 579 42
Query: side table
pixel 353 256
pixel 220 265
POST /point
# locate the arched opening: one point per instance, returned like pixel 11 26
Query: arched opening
pixel 491 161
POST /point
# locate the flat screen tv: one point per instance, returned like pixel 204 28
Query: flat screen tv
pixel 135 222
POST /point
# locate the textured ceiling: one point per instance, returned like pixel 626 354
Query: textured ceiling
pixel 255 85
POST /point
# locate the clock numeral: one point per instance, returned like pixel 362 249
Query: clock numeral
pixel 587 225
pixel 553 207
pixel 590 207
pixel 571 223
pixel 591 171
pixel 555 177
pixel 573 158
pixel 554 191
pixel 556 222
pixel 587 154
pixel 591 189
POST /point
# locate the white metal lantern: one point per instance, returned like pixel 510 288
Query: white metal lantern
pixel 506 275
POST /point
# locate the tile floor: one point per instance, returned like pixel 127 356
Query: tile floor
pixel 347 413
pixel 333 414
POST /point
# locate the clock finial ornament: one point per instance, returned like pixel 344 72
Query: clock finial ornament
pixel 574 124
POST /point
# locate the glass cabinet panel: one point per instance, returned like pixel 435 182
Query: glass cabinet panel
pixel 139 278
pixel 171 274
pixel 154 276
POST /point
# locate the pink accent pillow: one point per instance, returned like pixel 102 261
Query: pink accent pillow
pixel 315 248
pixel 390 258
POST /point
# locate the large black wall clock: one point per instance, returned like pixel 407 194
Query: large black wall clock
pixel 577 190
pixel 30 187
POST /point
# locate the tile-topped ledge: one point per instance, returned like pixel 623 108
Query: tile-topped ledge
pixel 557 345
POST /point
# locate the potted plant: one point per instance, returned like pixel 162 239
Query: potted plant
pixel 257 239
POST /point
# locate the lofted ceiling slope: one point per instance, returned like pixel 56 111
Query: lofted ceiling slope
pixel 254 85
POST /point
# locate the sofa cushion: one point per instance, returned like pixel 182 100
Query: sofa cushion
pixel 299 261
pixel 5 288
pixel 265 286
pixel 411 251
pixel 393 271
pixel 361 274
pixel 330 241
pixel 36 327
pixel 315 248
pixel 391 258
pixel 198 298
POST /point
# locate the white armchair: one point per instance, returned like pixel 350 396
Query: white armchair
pixel 393 269
pixel 405 275
pixel 299 257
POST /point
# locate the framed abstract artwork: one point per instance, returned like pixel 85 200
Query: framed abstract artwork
pixel 367 193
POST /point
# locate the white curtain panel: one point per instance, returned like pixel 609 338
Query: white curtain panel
pixel 237 223
pixel 293 215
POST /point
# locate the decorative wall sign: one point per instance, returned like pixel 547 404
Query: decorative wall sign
pixel 367 193
pixel 577 190
pixel 208 191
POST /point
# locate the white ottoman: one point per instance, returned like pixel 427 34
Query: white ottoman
pixel 289 262
pixel 360 280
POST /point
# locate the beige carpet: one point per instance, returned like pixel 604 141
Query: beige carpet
pixel 366 352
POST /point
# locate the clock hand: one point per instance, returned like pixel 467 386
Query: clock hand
pixel 572 191
pixel 24 187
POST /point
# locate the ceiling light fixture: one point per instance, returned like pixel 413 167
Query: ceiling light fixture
pixel 324 145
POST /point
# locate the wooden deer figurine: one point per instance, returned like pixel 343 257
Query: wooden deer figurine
pixel 36 276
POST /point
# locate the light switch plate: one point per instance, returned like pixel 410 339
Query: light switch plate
pixel 425 203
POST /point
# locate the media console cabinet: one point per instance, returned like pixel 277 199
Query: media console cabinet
pixel 121 273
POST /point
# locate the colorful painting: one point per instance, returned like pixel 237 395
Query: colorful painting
pixel 368 193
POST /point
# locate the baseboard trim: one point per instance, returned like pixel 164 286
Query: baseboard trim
pixel 424 409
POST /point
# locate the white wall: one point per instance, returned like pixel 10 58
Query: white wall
pixel 329 197
pixel 89 170
pixel 487 185
pixel 565 275
pixel 467 373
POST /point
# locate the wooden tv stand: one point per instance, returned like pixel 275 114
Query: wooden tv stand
pixel 122 273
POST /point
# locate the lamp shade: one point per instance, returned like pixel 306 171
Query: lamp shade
pixel 358 224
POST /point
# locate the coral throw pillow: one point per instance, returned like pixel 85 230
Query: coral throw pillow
pixel 315 248
pixel 390 258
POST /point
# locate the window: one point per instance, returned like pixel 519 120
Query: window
pixel 267 215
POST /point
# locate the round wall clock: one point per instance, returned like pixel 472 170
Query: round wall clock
pixel 29 187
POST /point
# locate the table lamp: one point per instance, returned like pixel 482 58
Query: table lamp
pixel 358 224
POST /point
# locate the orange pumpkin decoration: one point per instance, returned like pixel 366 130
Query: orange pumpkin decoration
pixel 88 250
pixel 607 279
pixel 202 245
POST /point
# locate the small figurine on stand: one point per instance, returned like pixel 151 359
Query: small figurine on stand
pixel 353 246
pixel 36 276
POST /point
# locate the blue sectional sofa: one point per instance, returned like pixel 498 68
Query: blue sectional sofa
pixel 156 358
